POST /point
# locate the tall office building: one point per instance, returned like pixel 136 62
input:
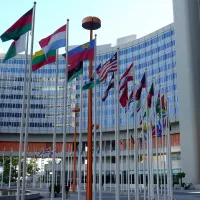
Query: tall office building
pixel 154 53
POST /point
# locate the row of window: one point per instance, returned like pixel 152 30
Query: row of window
pixel 18 124
pixel 16 96
pixel 17 105
pixel 11 114
pixel 140 46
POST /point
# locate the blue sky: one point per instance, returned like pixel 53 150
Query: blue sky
pixel 119 18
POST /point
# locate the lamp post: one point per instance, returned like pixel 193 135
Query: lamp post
pixel 75 110
pixel 90 23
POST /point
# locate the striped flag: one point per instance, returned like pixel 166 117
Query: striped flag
pixel 54 41
pixel 110 86
pixel 125 78
pixel 109 66
pixel 130 100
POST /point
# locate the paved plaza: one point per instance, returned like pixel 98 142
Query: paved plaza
pixel 178 195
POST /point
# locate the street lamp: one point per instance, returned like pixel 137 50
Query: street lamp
pixel 90 23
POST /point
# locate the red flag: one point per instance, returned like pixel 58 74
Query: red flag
pixel 151 93
pixel 124 97
pixel 142 85
pixel 125 78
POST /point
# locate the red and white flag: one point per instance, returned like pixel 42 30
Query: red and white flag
pixel 127 76
pixel 109 66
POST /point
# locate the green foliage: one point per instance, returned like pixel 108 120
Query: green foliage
pixel 182 184
pixel 31 168
pixel 57 188
pixel 180 176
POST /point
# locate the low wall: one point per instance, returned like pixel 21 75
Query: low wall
pixel 31 195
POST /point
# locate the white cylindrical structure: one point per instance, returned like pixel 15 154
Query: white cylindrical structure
pixel 80 141
pixel 54 132
pixel 187 32
pixel 65 114
pixel 100 145
pixel 28 105
pixel 22 119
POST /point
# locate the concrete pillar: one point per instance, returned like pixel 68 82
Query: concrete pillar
pixel 187 34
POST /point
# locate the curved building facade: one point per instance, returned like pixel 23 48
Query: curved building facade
pixel 154 53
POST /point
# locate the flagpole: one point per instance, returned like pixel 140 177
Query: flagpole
pixel 33 170
pixel 117 192
pixel 94 142
pixel 54 132
pixel 101 145
pixel 3 169
pixel 121 169
pixel 135 150
pixel 110 165
pixel 163 152
pixel 156 135
pixel 104 180
pixel 10 170
pixel 68 152
pixel 143 152
pixel 28 106
pixel 169 155
pixel 65 114
pixel 151 161
pixel 80 139
pixel 22 119
pixel 128 152
pixel 84 170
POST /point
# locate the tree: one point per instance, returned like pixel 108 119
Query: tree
pixel 181 175
pixel 31 168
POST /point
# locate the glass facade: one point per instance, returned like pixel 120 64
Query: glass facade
pixel 154 53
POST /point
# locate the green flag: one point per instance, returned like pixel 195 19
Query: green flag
pixel 138 105
pixel 90 84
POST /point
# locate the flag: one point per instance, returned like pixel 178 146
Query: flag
pixel 21 26
pixel 145 127
pixel 151 93
pixel 145 137
pixel 90 84
pixel 75 72
pixel 125 78
pixel 132 142
pixel 122 145
pixel 109 66
pixel 159 129
pixel 158 104
pixel 130 100
pixel 16 47
pixel 39 59
pixel 138 105
pixel 132 115
pixel 163 106
pixel 54 41
pixel 142 85
pixel 41 152
pixel 110 86
pixel 80 53
pixel 140 141
pixel 124 97
pixel 144 115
